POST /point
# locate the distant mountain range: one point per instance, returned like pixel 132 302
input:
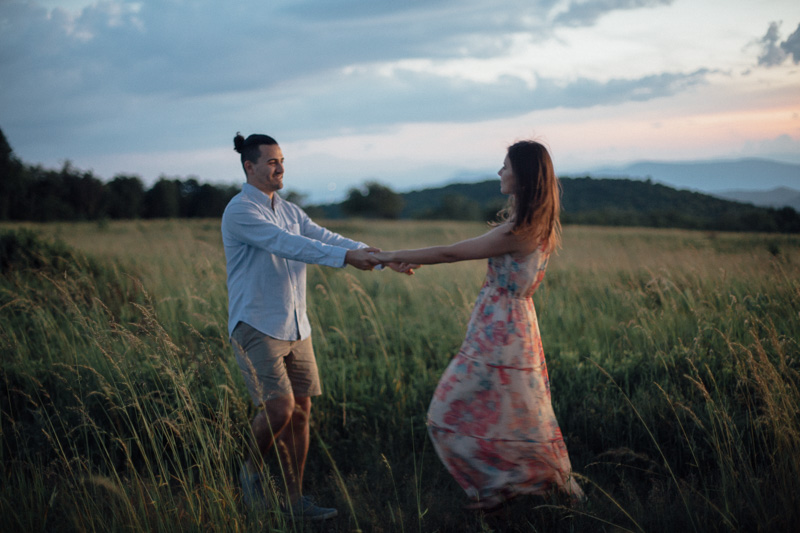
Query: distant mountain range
pixel 761 182
pixel 778 197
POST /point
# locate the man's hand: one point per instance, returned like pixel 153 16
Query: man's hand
pixel 362 258
pixel 388 259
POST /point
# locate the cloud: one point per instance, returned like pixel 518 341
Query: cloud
pixel 781 148
pixel 586 13
pixel 177 77
pixel 792 45
pixel 115 66
pixel 367 99
pixel 202 47
pixel 772 53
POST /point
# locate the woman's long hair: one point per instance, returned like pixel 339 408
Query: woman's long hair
pixel 535 206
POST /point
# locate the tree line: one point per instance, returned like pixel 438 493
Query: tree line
pixel 36 194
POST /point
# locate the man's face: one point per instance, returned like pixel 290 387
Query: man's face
pixel 266 174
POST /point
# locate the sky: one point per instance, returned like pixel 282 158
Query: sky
pixel 410 93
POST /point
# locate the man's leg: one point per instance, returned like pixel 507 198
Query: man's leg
pixel 302 369
pixel 293 442
pixel 289 367
pixel 262 361
pixel 270 422
pixel 293 447
pixel 265 427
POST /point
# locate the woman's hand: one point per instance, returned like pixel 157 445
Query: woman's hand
pixel 403 268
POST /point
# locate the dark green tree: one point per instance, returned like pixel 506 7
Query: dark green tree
pixel 788 220
pixel 188 189
pixel 125 197
pixel 459 207
pixel 163 199
pixel 46 198
pixel 85 194
pixel 209 201
pixel 13 183
pixel 373 201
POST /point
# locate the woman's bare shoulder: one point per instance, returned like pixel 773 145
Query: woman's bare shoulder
pixel 526 246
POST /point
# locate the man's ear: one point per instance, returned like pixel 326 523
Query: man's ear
pixel 248 167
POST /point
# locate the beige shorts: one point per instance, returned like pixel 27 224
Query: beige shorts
pixel 273 368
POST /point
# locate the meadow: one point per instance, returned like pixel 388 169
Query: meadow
pixel 673 359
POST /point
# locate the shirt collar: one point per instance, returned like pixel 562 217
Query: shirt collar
pixel 262 196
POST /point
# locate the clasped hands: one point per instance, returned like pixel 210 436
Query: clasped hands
pixel 370 257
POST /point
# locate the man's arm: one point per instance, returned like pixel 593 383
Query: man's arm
pixel 314 231
pixel 359 254
pixel 245 223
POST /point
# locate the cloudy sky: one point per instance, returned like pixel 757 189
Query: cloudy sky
pixel 411 93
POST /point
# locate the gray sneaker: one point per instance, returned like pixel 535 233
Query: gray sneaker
pixel 306 509
pixel 252 491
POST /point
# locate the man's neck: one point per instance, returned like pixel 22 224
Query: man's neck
pixel 270 193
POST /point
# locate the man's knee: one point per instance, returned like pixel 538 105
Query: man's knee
pixel 303 403
pixel 279 411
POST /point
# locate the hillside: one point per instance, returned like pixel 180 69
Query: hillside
pixel 778 197
pixel 605 201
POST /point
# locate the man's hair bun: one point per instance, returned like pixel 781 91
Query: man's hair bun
pixel 238 142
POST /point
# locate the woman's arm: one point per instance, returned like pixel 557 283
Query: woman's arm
pixel 497 241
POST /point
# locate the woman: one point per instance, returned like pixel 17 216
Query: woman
pixel 491 419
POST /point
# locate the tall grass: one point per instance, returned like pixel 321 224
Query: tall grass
pixel 673 359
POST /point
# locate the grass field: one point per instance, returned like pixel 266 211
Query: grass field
pixel 673 359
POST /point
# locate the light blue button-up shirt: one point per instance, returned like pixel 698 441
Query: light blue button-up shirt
pixel 267 245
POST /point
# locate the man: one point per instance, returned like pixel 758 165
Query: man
pixel 268 242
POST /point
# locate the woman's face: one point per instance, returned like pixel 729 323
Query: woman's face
pixel 507 178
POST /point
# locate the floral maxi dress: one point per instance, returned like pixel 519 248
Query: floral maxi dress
pixel 491 420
